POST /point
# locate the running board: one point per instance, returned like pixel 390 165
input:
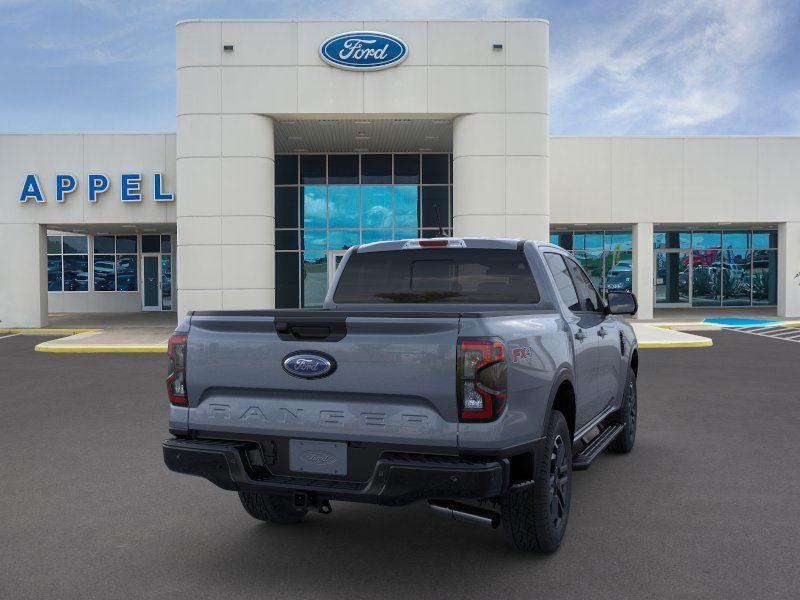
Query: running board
pixel 583 461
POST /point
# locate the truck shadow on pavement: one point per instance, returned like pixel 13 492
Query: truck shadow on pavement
pixel 363 552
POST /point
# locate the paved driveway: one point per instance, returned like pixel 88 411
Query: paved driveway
pixel 705 507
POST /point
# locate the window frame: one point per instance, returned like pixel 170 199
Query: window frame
pixel 601 303
pixel 553 277
pixel 117 256
pixel 291 162
pixel 693 249
pixel 61 255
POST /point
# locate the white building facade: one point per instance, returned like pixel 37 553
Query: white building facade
pixel 283 159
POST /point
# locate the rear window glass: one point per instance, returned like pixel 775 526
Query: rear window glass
pixel 437 275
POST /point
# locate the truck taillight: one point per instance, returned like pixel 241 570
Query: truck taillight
pixel 481 379
pixel 176 380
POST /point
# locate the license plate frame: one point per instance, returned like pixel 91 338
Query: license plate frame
pixel 318 457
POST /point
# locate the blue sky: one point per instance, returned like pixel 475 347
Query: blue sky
pixel 617 67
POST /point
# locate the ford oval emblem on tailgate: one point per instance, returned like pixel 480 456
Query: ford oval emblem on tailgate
pixel 309 365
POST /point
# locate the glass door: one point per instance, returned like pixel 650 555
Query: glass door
pixel 166 282
pixel 151 282
pixel 673 279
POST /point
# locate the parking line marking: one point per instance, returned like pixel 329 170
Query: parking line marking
pixel 2 337
pixel 790 334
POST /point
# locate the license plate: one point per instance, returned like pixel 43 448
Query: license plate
pixel 309 456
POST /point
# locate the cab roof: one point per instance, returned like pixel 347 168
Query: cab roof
pixel 447 242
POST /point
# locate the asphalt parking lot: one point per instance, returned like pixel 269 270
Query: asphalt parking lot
pixel 705 507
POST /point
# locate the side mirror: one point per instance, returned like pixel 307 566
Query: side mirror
pixel 621 303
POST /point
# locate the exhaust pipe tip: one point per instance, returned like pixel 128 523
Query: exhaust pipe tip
pixel 464 513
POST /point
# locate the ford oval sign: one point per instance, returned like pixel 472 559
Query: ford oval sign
pixel 308 365
pixel 363 50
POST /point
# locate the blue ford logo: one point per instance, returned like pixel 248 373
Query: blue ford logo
pixel 363 50
pixel 308 365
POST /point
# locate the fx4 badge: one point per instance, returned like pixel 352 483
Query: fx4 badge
pixel 521 353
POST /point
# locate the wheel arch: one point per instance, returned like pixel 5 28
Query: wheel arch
pixel 562 398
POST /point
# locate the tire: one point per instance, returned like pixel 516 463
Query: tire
pixel 535 516
pixel 627 415
pixel 275 509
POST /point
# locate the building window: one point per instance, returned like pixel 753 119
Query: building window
pixel 708 267
pixel 606 256
pixel 115 263
pixel 67 263
pixel 326 203
pixel 716 268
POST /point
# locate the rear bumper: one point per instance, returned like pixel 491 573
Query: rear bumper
pixel 396 480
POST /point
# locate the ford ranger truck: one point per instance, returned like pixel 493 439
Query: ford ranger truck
pixel 472 374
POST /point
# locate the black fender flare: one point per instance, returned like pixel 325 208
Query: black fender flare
pixel 563 373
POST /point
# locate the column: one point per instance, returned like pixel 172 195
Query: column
pixel 788 267
pixel 23 271
pixel 501 175
pixel 642 275
pixel 226 223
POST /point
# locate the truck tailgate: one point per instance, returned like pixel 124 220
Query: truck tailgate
pixel 394 379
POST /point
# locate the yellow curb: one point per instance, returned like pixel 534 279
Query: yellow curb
pixel 704 343
pixel 46 331
pixel 98 349
pixel 686 326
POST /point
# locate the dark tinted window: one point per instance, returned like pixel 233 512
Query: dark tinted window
pixel 312 168
pixel 376 168
pixel 103 272
pixel 562 239
pixel 286 240
pixel 75 244
pixel 126 274
pixel 286 169
pixel 561 276
pixel 54 244
pixel 343 168
pixel 150 243
pixel 126 244
pixel 104 244
pixel 435 207
pixel 287 279
pixel 445 275
pixel 589 300
pixel 76 273
pixel 54 273
pixel 434 168
pixel 285 207
pixel 406 168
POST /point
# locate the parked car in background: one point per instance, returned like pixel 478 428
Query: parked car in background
pixel 619 282
pixel 623 266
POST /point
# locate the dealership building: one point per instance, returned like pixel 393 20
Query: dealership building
pixel 297 140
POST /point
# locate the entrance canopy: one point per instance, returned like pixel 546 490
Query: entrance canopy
pixel 363 135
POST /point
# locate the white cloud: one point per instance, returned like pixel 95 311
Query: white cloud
pixel 409 9
pixel 671 69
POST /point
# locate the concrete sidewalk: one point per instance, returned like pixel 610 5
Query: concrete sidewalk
pixel 129 339
pixel 652 336
pixel 104 332
pixel 149 332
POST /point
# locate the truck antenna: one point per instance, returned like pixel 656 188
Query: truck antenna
pixel 440 232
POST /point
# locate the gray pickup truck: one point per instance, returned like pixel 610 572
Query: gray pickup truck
pixel 474 374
